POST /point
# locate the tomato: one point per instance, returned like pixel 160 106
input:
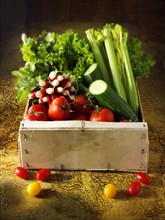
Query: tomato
pixel 37 112
pixel 21 172
pixel 59 109
pixel 103 114
pixel 33 188
pixel 30 118
pixel 110 190
pixel 134 188
pixel 78 116
pixel 82 105
pixel 43 174
pixel 143 178
pixel 37 108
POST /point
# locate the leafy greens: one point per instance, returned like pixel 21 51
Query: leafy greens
pixel 68 52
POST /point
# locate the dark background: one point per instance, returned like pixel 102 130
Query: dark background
pixel 150 13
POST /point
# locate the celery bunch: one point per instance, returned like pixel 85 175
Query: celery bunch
pixel 117 56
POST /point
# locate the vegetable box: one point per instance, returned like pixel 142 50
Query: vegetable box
pixel 84 145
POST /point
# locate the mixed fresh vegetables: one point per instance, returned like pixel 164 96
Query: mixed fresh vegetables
pixel 81 78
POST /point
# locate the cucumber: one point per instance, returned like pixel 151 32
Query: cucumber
pixel 108 98
pixel 92 73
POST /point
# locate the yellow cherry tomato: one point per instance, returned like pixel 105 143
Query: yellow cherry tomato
pixel 34 188
pixel 110 190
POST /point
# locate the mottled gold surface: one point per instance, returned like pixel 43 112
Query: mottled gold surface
pixel 75 194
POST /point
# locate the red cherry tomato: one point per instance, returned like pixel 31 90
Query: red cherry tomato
pixel 78 116
pixel 134 188
pixel 103 114
pixel 82 105
pixel 37 108
pixel 37 112
pixel 43 174
pixel 143 178
pixel 59 109
pixel 124 120
pixel 21 172
pixel 30 118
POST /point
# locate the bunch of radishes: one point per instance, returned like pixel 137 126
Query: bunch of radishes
pixel 57 84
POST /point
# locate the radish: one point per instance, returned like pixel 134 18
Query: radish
pixel 40 93
pixel 55 82
pixel 52 75
pixel 50 91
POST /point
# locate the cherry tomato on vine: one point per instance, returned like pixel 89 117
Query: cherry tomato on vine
pixel 134 188
pixel 82 105
pixel 59 109
pixel 43 174
pixel 103 114
pixel 33 188
pixel 21 172
pixel 143 178
pixel 110 190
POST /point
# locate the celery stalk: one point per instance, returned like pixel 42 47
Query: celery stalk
pixel 96 40
pixel 130 88
pixel 114 66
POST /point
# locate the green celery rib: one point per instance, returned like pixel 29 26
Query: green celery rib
pixel 100 56
pixel 113 63
pixel 131 89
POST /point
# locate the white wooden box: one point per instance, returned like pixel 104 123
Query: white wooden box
pixel 84 145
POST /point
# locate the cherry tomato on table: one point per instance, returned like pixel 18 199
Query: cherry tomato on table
pixel 21 172
pixel 82 105
pixel 143 178
pixel 59 109
pixel 33 188
pixel 134 188
pixel 110 190
pixel 43 174
pixel 103 114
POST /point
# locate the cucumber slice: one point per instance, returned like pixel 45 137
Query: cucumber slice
pixel 92 73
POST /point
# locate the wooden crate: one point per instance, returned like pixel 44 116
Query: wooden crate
pixel 84 145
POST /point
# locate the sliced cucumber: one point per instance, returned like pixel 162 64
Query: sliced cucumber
pixel 108 98
pixel 92 73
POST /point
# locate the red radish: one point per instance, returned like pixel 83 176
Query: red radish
pixel 65 92
pixel 40 101
pixel 72 89
pixel 50 91
pixel 52 75
pixel 65 76
pixel 55 82
pixel 43 84
pixel 32 95
pixel 59 89
pixel 46 98
pixel 66 83
pixel 60 78
pixel 40 93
